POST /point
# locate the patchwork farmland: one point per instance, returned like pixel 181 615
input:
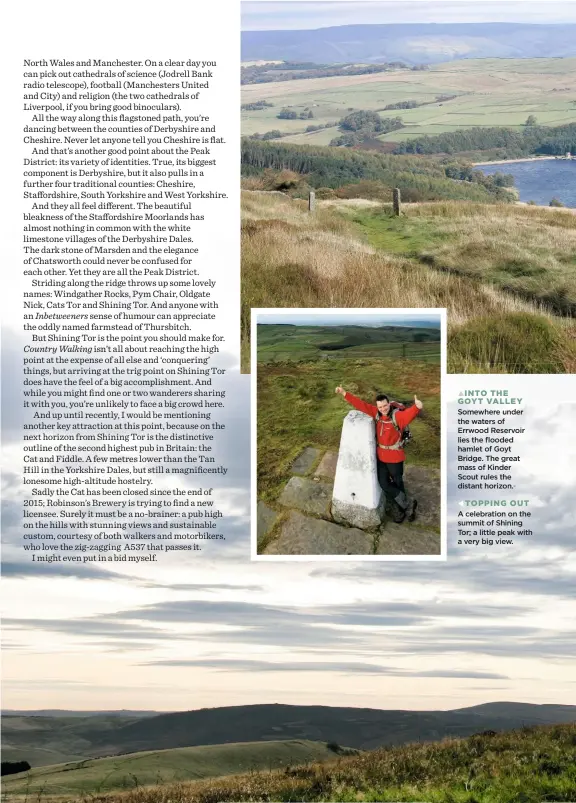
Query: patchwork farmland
pixel 482 92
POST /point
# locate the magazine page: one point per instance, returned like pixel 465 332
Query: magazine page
pixel 288 452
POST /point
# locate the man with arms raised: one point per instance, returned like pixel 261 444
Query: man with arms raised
pixel 390 425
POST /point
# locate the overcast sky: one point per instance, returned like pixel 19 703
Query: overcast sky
pixel 301 14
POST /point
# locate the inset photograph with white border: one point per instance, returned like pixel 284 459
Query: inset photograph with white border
pixel 348 434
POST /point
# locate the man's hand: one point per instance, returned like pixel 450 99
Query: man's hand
pixel 340 390
pixel 418 403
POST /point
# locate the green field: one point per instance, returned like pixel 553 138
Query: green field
pixel 490 92
pixel 281 342
pixel 94 776
pixel 297 407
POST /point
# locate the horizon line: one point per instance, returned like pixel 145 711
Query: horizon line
pixel 5 711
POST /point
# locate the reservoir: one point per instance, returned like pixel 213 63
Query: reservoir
pixel 542 180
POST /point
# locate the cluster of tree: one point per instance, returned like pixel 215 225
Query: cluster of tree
pixel 289 114
pixel 368 174
pixel 403 104
pixel 256 106
pixel 289 71
pixel 369 122
pixel 273 134
pixel 12 767
pixel 510 143
pixel 460 171
pixel 362 125
pixel 319 127
pixel 413 104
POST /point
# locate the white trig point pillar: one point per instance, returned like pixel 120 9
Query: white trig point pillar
pixel 312 202
pixel 357 498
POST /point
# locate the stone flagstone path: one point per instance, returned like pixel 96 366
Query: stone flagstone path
pixel 300 522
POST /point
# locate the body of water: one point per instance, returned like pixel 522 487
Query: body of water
pixel 541 181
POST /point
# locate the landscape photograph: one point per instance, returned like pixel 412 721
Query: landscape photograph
pixel 348 434
pixel 391 163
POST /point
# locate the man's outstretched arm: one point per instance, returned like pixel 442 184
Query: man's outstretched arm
pixel 404 417
pixel 362 406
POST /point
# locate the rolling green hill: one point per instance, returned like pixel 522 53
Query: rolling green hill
pixel 363 728
pixel 414 42
pixel 285 342
pixel 524 766
pixel 95 776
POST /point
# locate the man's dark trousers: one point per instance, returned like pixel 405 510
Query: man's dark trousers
pixel 390 477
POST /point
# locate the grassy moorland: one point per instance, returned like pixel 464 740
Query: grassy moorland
pixel 524 766
pixel 153 768
pixel 529 253
pixel 297 407
pixel 504 272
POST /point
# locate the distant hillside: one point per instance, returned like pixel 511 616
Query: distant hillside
pixel 43 739
pixel 535 714
pixel 64 712
pixel 363 728
pixel 29 738
pixel 282 342
pixel 166 766
pixel 413 43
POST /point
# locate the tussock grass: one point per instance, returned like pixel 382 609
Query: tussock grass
pixel 482 262
pixel 513 344
pixel 531 253
pixel 525 766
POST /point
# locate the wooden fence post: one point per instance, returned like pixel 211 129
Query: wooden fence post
pixel 312 202
pixel 396 201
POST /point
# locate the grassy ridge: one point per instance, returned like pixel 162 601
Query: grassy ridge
pixel 297 407
pixel 526 766
pixel 503 272
pixel 165 766
pixel 280 342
